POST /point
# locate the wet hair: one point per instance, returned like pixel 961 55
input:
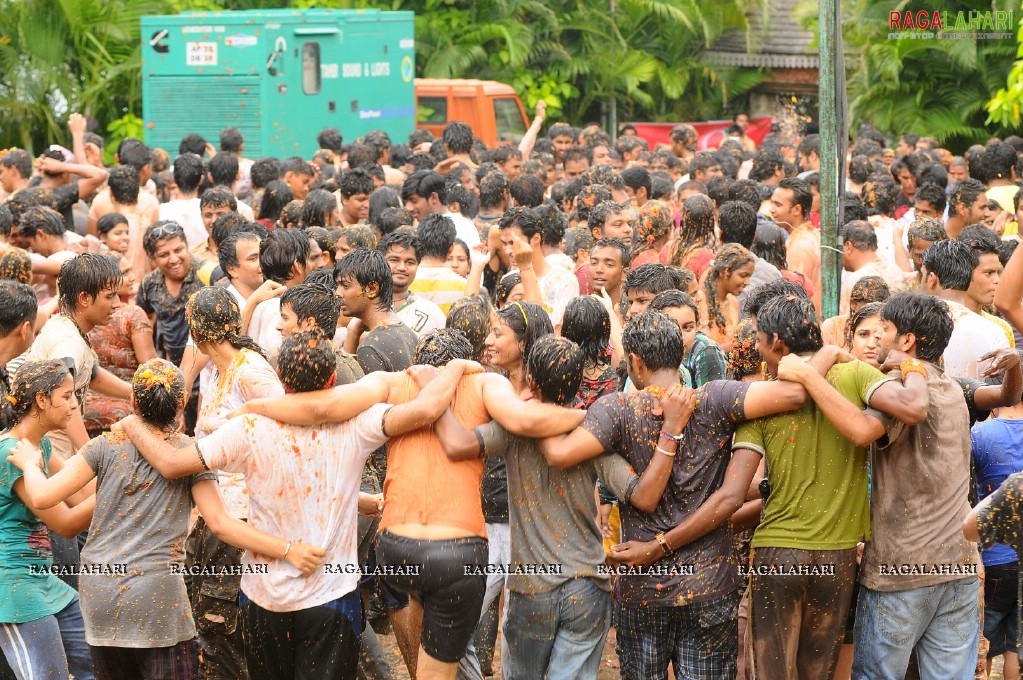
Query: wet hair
pixel 357 181
pixel 655 222
pixel 424 183
pixel 870 289
pixel 316 302
pixel 188 172
pixel 702 161
pixel 696 227
pixel 598 215
pixel 867 311
pixel 925 316
pixel 650 278
pixel 932 173
pixel 587 323
pixel 41 219
pixel 493 188
pixel 472 316
pixel 279 252
pixel 32 379
pixel 401 239
pixel 359 237
pixel 366 266
pixel 952 262
pixel 316 206
pixel 523 218
pixel 231 140
pixel 1005 251
pixel 16 265
pixel 20 160
pixel 743 357
pixel 291 214
pixel 655 338
pixel 6 220
pixel 964 193
pixel 330 138
pixel 505 287
pixel 108 222
pixel 727 259
pixel 981 239
pixel 89 273
pixel 296 165
pixel 19 306
pixel 765 292
pixel 625 255
pixel 442 346
pixel 214 316
pixel 738 222
pixel 227 224
pixel 227 250
pixel 801 193
pixel 861 234
pixel 306 361
pixel 362 156
pixel 436 235
pixel 264 171
pixel 392 219
pixel 766 162
pixel 933 194
pixel 528 321
pixel 158 387
pixel 457 137
pixel 675 298
pixel 124 184
pixel 927 229
pixel 860 168
pixel 379 201
pixel 192 143
pixel 218 197
pixel 527 190
pixel 276 195
pixel 555 366
pixel 637 177
pixel 793 320
pixel 223 168
pixel 769 245
pixel 552 224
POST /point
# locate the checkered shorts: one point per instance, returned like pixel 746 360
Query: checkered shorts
pixel 699 640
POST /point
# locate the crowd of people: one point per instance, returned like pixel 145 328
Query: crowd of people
pixel 257 414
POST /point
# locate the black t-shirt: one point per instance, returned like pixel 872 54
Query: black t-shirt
pixel 62 199
pixel 494 491
pixel 388 347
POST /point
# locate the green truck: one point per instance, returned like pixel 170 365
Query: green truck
pixel 280 76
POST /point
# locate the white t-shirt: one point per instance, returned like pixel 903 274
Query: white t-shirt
pixel 421 315
pixel 973 336
pixel 465 229
pixel 557 288
pixel 248 377
pixel 303 483
pixel 186 213
pixel 263 328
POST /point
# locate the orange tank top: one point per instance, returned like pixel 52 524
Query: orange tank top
pixel 423 486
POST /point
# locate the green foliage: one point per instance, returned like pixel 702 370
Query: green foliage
pixel 935 87
pixel 1005 104
pixel 128 125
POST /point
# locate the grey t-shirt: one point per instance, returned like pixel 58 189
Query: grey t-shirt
pixel 141 521
pixel 553 512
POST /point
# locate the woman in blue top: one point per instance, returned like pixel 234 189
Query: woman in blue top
pixel 41 629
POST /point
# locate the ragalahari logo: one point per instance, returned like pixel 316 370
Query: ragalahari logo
pixel 926 24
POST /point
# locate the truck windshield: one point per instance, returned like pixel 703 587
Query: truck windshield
pixel 510 126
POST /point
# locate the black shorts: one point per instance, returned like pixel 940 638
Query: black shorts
pixel 451 599
pixel 1001 604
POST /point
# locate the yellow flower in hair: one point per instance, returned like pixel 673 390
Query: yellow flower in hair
pixel 11 398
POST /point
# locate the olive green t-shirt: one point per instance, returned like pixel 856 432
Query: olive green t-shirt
pixel 818 478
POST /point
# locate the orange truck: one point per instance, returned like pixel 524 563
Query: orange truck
pixel 492 109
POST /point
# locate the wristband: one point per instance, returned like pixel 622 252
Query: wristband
pixel 286 551
pixel 663 543
pixel 677 438
pixel 912 365
pixel 670 454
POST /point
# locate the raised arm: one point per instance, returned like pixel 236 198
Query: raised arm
pixel 773 397
pixel 1009 292
pixel 855 425
pixel 1005 363
pixel 529 139
pixel 42 492
pixel 91 176
pixel 304 557
pixel 714 512
pixel 522 258
pixel 678 404
pixel 170 462
pixel 526 418
pixel 323 406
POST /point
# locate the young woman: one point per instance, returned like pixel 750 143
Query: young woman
pixel 458 258
pixel 113 232
pixel 694 243
pixel 509 290
pixel 864 333
pixel 655 222
pixel 516 327
pixel 727 277
pixel 276 195
pixel 41 629
pixel 769 245
pixel 138 617
pixel 588 324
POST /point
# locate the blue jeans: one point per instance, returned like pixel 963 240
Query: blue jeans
pixel 559 634
pixel 942 622
pixel 49 647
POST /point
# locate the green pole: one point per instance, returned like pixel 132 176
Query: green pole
pixel 833 138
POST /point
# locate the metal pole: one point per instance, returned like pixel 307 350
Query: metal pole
pixel 833 138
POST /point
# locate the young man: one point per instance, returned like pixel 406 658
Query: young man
pixel 364 283
pixel 164 292
pixel 986 276
pixel 557 286
pixel 435 281
pixel 804 557
pixel 930 201
pixel 44 232
pixel 457 138
pixel 643 283
pixel 949 267
pixel 922 234
pixel 298 175
pixel 401 251
pixel 354 188
pixel 285 258
pixel 216 202
pixel 239 258
pixel 443 532
pixel 188 174
pixel 57 190
pixel 919 574
pixel 860 259
pixel 15 171
pixel 556 623
pixel 123 195
pixel 965 206
pixel 704 360
pixel 606 220
pixel 790 209
pixel 425 193
pixel 293 623
pixel 609 261
pixel 684 614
